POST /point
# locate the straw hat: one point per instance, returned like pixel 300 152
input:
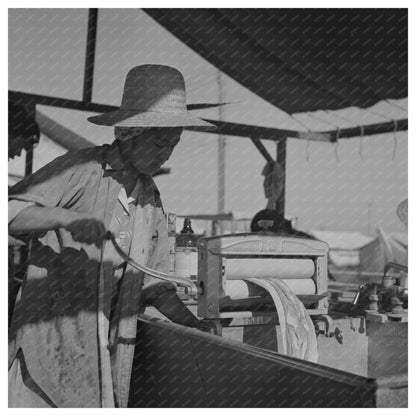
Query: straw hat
pixel 154 96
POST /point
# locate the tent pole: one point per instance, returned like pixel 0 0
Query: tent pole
pixel 31 109
pixel 90 55
pixel 260 147
pixel 29 161
pixel 281 160
pixel 221 150
pixel 227 128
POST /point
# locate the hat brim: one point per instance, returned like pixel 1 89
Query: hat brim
pixel 130 118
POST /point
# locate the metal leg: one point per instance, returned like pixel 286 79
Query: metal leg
pixel 213 326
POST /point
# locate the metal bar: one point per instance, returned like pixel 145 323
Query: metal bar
pixel 29 161
pixel 31 109
pixel 221 174
pixel 25 99
pixel 344 273
pixel 368 130
pixel 230 129
pixel 267 133
pixel 210 217
pixel 221 151
pixel 205 106
pixel 262 149
pixel 63 136
pixel 90 55
pixel 281 160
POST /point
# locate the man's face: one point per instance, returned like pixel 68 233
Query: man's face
pixel 148 149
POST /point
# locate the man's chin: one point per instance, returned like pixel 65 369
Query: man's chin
pixel 148 170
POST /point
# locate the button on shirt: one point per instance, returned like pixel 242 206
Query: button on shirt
pixel 122 225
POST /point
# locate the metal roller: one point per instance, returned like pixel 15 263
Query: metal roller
pixel 282 268
pixel 241 289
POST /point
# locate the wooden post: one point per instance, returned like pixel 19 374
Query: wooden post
pixel 260 147
pixel 281 160
pixel 221 149
pixel 31 109
pixel 221 155
pixel 29 161
pixel 90 55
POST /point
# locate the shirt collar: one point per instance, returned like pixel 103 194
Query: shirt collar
pixel 125 200
pixel 113 161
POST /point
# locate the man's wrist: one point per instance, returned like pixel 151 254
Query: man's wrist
pixel 66 217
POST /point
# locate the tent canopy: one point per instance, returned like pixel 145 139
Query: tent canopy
pixel 301 60
pixel 311 63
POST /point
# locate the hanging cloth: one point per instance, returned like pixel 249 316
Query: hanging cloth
pixel 298 337
pixel 273 179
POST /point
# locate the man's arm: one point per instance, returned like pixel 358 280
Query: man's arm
pixel 43 200
pixel 35 218
pixel 39 219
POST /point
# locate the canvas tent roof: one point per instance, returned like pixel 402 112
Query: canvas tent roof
pixel 301 60
pixel 318 68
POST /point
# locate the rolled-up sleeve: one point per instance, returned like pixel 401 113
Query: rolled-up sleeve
pixel 57 184
pixel 15 207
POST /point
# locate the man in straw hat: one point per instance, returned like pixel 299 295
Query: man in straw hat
pixel 74 325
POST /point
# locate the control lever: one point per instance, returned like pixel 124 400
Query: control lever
pixel 357 295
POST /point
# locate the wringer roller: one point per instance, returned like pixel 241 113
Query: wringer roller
pixel 225 261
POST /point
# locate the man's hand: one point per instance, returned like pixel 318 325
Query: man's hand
pixel 85 229
pixel 38 219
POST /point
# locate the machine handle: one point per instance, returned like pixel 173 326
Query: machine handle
pixel 357 295
pixel 188 284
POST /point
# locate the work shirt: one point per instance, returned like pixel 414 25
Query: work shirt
pixel 73 351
